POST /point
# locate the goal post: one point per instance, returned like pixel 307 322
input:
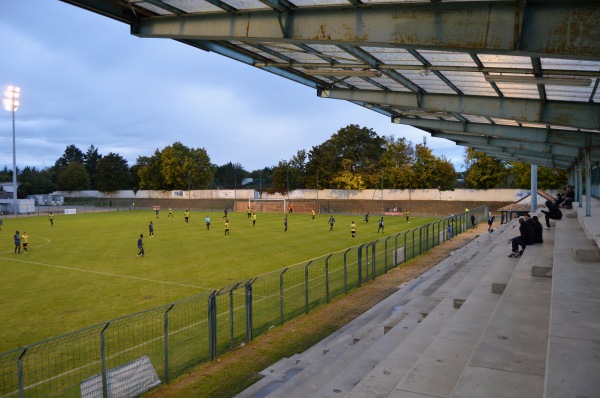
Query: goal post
pixel 268 205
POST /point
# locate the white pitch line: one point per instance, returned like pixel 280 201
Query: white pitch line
pixel 104 273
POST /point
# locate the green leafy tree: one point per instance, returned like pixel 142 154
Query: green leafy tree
pixel 346 179
pixel 423 168
pixel 90 160
pixel 264 176
pixel 360 145
pixel 73 177
pixel 396 163
pixel 431 172
pixel 547 178
pixel 184 167
pixel 445 174
pixel 149 172
pixel 71 154
pixel 34 181
pixel 484 172
pixel 297 171
pixel 280 176
pixel 230 175
pixel 112 173
pixel 5 174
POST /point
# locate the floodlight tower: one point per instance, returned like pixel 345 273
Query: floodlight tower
pixel 11 104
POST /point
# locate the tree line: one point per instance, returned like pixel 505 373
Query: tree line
pixel 353 158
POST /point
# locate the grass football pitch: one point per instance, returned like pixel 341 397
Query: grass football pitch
pixel 84 270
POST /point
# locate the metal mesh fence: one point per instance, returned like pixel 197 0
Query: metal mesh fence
pixel 130 355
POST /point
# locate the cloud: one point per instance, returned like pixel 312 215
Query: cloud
pixel 86 81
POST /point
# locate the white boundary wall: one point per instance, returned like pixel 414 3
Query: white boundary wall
pixel 489 195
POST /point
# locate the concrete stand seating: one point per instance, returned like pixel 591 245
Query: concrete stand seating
pixel 478 324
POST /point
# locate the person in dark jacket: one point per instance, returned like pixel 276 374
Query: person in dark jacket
pixel 553 213
pixel 530 238
pixel 520 240
pixel 537 228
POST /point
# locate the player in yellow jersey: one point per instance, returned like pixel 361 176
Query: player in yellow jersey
pixel 227 228
pixel 25 241
pixel 353 229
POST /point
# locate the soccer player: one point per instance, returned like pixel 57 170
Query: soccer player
pixel 353 229
pixel 331 221
pixel 17 242
pixel 186 215
pixel 151 229
pixel 225 213
pixel 285 225
pixel 51 218
pixel 380 227
pixel 313 214
pixel 249 212
pixel 170 213
pixel 407 214
pixel 367 217
pixel 25 240
pixel 207 220
pixel 140 246
pixel 253 219
pixel 156 212
pixel 227 228
pixel 291 209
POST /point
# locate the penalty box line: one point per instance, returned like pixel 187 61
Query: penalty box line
pixel 104 273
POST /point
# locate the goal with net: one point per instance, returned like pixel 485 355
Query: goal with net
pixel 268 205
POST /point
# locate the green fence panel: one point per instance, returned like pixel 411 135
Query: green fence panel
pixel 172 338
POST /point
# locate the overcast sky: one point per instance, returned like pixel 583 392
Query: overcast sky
pixel 85 80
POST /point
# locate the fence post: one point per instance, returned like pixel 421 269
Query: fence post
pixel 360 265
pixel 373 260
pixel 327 278
pixel 427 237
pixel 345 272
pixel 249 310
pixel 395 256
pixel 413 242
pixel 281 296
pixel 421 239
pixel 405 248
pixel 103 358
pixel 306 287
pixel 20 370
pixel 212 325
pixel 385 251
pixel 167 342
pixel 231 316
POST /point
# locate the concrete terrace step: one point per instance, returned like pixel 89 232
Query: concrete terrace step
pixel 448 353
pixel 339 362
pixel 573 363
pixel 510 357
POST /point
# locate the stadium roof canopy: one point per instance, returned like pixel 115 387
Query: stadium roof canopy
pixel 517 80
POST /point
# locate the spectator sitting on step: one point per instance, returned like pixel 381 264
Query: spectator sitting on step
pixel 537 228
pixel 553 213
pixel 530 238
pixel 520 240
pixel 569 198
pixel 559 199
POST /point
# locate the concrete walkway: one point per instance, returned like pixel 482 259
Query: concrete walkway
pixel 478 324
